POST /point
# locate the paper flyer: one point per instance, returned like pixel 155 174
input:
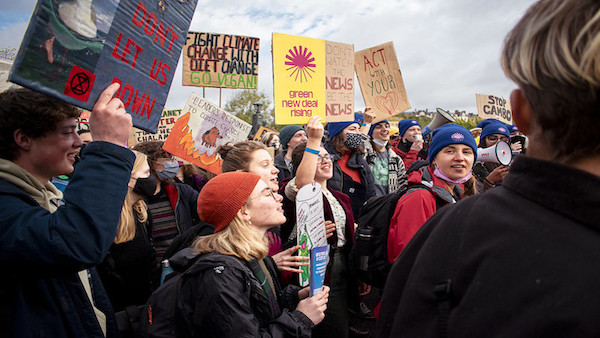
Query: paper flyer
pixel 310 223
pixel 318 264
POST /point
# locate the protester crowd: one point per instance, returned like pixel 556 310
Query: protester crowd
pixel 95 236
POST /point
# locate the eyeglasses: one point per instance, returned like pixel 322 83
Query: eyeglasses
pixel 494 138
pixel 328 157
pixel 266 193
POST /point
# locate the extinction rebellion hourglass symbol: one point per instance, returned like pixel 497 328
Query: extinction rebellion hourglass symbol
pixel 301 62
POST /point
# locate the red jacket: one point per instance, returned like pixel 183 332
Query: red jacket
pixel 416 206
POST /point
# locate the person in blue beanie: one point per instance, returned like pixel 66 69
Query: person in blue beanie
pixel 388 168
pixel 351 172
pixel 452 153
pixel 490 174
pixel 409 145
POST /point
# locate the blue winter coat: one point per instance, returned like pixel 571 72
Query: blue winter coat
pixel 41 252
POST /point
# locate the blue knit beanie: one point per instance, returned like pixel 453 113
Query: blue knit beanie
pixel 512 128
pixel 334 128
pixel 450 134
pixel 375 124
pixel 286 133
pixel 485 122
pixel 494 128
pixel 403 126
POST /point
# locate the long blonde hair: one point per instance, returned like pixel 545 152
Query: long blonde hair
pixel 237 239
pixel 126 227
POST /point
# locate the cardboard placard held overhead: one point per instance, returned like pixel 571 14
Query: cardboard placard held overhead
pixel 165 125
pixel 494 107
pixel 220 60
pixel 339 82
pixel 73 50
pixel 381 81
pixel 311 77
pixel 201 129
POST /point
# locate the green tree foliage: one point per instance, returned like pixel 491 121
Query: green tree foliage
pixel 242 106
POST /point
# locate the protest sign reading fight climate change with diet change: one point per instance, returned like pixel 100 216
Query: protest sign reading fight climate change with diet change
pixel 220 60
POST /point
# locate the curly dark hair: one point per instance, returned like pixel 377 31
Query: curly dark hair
pixel 34 113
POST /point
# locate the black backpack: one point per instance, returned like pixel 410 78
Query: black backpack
pixel 369 254
pixel 157 317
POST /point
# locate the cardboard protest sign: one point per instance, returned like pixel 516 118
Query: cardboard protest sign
pixel 304 86
pixel 200 130
pixel 339 82
pixel 165 125
pixel 310 224
pixel 263 130
pixel 381 81
pixel 74 50
pixel 494 107
pixel 220 60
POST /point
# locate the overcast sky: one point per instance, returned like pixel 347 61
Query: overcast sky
pixel 448 50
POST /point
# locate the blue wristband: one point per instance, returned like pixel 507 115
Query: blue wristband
pixel 312 151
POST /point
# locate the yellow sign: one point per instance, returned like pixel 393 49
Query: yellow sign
pixel 298 78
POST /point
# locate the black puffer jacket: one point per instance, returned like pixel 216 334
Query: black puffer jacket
pixel 220 297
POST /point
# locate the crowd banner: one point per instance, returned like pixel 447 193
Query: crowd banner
pixel 381 81
pixel 494 107
pixel 165 125
pixel 220 60
pixel 310 224
pixel 201 129
pixel 312 77
pixel 74 50
pixel 263 130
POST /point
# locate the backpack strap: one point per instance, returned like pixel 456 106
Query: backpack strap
pixel 444 290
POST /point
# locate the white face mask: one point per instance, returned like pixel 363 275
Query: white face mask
pixel 380 143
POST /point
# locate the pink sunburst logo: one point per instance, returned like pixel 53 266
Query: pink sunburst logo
pixel 301 63
pixel 457 137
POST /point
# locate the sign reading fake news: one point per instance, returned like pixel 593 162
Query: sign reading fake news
pixel 220 60
pixel 73 50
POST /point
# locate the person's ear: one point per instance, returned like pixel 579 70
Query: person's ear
pixel 22 140
pixel 521 111
pixel 244 214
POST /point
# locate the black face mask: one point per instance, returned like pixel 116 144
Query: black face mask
pixel 145 187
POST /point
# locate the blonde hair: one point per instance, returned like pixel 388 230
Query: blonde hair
pixel 237 239
pixel 126 227
pixel 553 54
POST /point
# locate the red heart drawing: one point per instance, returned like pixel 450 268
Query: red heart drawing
pixel 387 103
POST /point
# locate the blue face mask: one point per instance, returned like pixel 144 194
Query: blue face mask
pixel 169 172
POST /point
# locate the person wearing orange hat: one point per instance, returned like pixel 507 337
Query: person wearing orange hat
pixel 232 289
